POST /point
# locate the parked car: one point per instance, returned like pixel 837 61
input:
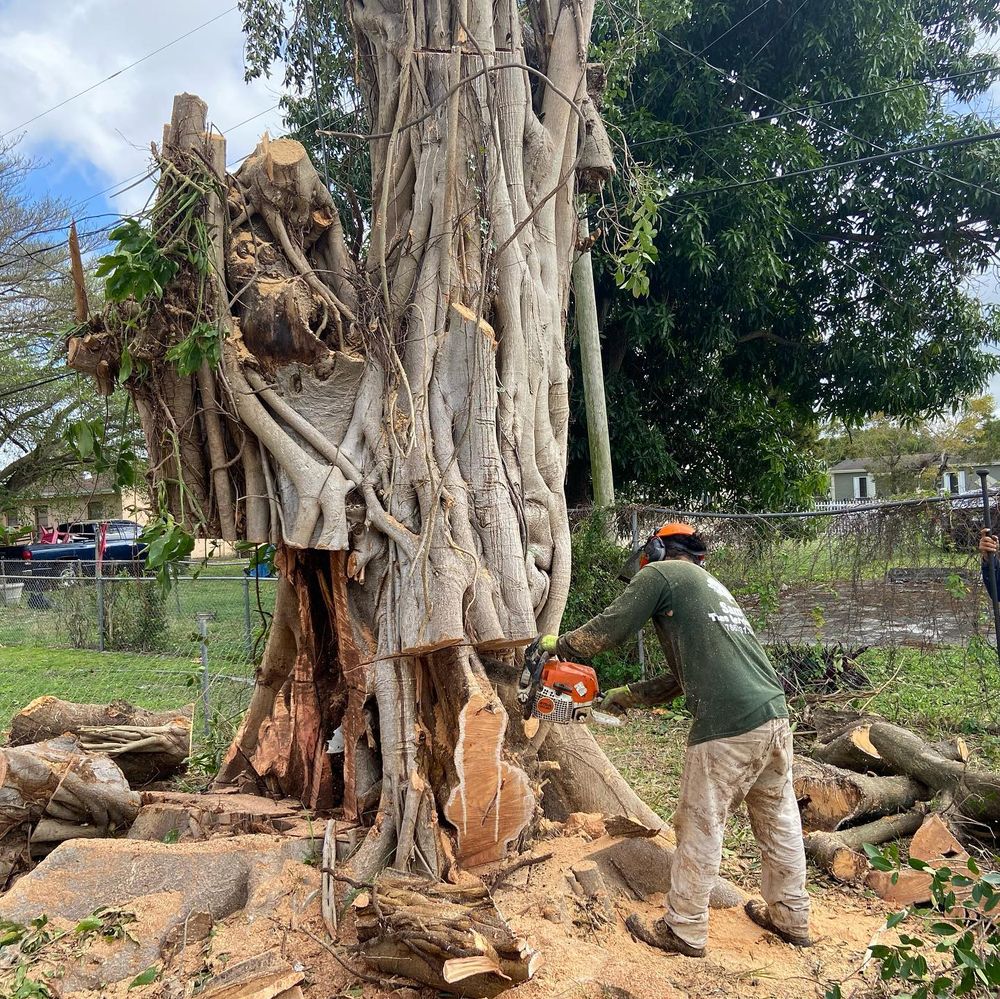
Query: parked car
pixel 76 551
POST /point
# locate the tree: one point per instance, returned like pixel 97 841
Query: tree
pixel 395 421
pixel 832 296
pixel 39 400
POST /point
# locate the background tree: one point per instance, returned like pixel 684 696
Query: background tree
pixel 39 400
pixel 834 296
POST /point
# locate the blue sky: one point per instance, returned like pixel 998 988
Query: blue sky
pixel 51 50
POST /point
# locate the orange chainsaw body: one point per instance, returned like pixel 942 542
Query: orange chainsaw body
pixel 565 693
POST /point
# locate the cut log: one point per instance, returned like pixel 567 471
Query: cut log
pixel 829 722
pixel 450 937
pixel 840 853
pixel 934 840
pixel 955 748
pixel 56 780
pixel 830 797
pixel 976 793
pixel 146 745
pixel 852 750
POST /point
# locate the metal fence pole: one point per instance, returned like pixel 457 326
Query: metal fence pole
pixel 639 637
pixel 99 587
pixel 247 626
pixel 203 618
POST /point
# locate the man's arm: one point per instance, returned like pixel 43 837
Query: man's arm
pixel 646 595
pixel 988 550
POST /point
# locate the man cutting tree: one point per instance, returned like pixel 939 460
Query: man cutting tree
pixel 739 747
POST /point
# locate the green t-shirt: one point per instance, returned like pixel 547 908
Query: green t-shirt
pixel 729 682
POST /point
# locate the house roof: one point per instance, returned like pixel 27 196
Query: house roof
pixel 911 462
pixel 78 486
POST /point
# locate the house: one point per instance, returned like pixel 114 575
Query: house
pixel 72 498
pixel 868 478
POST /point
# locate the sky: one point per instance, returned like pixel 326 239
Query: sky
pixel 52 49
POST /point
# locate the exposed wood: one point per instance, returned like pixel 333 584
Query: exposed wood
pixel 450 937
pixel 840 853
pixel 976 793
pixel 830 797
pixel 852 750
pixel 79 281
pixel 146 745
pixel 264 976
pixel 94 354
pixel 955 748
pixel 933 843
pixel 628 827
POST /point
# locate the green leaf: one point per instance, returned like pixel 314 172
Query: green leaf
pixel 88 925
pixel 149 976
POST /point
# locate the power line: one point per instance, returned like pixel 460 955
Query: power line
pixel 965 140
pixel 28 386
pixel 826 124
pixel 774 34
pixel 810 107
pixel 118 72
pixel 733 27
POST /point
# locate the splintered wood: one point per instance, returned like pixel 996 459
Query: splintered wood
pixel 441 935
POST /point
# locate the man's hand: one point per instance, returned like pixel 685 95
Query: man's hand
pixel 618 700
pixel 988 545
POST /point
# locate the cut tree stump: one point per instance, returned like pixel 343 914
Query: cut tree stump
pixel 976 793
pixel 830 797
pixel 450 937
pixel 840 853
pixel 146 745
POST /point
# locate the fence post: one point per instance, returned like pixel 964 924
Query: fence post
pixel 639 638
pixel 247 626
pixel 203 618
pixel 99 585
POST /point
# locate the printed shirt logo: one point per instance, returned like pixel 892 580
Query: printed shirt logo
pixel 730 615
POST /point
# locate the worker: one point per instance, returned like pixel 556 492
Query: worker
pixel 739 747
pixel 988 547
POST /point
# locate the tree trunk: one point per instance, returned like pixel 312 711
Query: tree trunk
pixel 146 745
pixel 830 797
pixel 839 853
pixel 396 424
pixel 975 793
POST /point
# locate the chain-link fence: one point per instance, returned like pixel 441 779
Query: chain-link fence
pixel 68 631
pixel 853 598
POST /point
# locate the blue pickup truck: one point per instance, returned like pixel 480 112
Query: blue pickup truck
pixel 66 559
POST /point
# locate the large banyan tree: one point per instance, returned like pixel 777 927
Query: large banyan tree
pixel 391 412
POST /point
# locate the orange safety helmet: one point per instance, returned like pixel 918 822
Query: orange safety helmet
pixel 658 543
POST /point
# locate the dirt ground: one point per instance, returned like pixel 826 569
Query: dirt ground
pixel 583 957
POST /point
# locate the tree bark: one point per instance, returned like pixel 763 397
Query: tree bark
pixel 56 788
pixel 852 750
pixel 830 798
pixel 975 793
pixel 839 853
pixel 146 745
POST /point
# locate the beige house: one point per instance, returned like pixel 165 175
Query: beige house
pixel 861 479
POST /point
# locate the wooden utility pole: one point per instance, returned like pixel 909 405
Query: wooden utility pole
pixel 585 304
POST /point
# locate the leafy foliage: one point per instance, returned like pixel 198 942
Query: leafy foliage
pixel 168 543
pixel 836 296
pixel 963 939
pixel 203 343
pixel 137 267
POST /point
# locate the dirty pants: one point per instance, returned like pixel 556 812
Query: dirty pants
pixel 718 775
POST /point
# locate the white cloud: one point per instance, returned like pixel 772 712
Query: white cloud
pixel 53 49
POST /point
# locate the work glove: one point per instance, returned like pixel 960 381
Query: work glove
pixel 548 643
pixel 618 700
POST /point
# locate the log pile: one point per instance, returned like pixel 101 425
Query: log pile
pixel 866 781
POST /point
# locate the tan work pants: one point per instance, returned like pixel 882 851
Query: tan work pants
pixel 718 776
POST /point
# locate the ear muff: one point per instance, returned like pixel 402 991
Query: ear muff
pixel 654 551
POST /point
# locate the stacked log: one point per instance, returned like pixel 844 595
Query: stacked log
pixel 867 781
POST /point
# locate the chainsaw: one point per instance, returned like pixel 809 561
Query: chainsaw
pixel 558 691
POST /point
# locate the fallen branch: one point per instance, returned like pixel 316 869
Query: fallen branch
pixel 840 853
pixel 494 880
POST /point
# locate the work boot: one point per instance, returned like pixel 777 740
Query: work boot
pixel 760 914
pixel 661 935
